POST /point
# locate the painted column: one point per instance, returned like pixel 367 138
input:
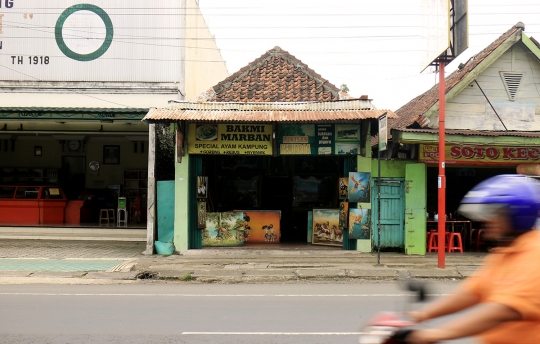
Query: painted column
pixel 181 205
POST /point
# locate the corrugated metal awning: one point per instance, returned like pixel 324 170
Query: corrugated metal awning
pixel 268 112
pixel 474 132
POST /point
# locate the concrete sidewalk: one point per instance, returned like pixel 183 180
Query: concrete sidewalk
pixel 237 265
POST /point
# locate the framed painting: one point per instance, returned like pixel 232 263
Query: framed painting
pixel 201 214
pixel 343 188
pixel 202 186
pixel 326 228
pixel 111 155
pixel 359 187
pixel 347 132
pixel 343 214
pixel 223 229
pixel 360 223
pixel 262 226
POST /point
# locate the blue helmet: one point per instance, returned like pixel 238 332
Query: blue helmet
pixel 517 194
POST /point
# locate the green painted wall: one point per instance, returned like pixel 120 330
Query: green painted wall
pixel 390 168
pixel 181 205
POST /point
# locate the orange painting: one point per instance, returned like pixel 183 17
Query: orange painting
pixel 262 226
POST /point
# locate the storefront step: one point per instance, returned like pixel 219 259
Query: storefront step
pixel 66 233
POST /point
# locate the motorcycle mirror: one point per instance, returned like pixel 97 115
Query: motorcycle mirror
pixel 419 289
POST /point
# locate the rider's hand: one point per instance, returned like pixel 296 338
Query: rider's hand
pixel 425 336
pixel 416 316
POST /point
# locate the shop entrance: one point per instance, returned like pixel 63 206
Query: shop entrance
pixel 459 180
pixel 73 175
pixel 292 185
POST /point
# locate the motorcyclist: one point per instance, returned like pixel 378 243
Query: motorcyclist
pixel 503 296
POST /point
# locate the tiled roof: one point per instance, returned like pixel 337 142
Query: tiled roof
pixel 276 76
pixel 411 112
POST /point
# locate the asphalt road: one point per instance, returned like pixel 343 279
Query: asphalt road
pixel 183 312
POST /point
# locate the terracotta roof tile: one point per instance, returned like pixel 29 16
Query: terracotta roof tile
pixel 280 77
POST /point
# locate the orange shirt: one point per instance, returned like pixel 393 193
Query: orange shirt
pixel 511 276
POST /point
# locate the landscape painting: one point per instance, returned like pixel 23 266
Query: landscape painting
pixel 326 228
pixel 224 229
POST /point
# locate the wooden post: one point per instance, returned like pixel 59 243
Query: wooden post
pixel 151 208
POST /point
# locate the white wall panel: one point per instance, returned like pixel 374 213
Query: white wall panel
pixel 146 38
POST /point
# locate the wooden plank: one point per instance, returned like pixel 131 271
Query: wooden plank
pixel 530 45
pixel 465 108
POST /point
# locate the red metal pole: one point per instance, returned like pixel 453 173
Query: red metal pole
pixel 441 182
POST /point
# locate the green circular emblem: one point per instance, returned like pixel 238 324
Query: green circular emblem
pixel 108 34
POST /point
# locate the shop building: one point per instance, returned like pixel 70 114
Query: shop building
pixel 268 173
pixel 76 82
pixel 492 125
pixel 265 156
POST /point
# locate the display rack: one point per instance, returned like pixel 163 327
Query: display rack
pixel 28 176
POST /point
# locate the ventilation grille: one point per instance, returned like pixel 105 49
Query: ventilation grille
pixel 512 81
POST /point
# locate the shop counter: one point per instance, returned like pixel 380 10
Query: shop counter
pixel 73 211
pixel 32 205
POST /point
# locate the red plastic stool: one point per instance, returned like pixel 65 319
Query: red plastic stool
pixel 433 241
pixel 451 242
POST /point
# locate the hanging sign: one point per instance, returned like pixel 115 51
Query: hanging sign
pixel 230 139
pixel 318 139
pixel 383 137
pixel 480 155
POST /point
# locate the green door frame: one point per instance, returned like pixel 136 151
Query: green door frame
pixel 195 169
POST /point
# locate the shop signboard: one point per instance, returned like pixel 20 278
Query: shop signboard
pixel 480 155
pixel 230 139
pixel 318 139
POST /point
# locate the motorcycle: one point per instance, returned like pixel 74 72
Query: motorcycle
pixel 390 327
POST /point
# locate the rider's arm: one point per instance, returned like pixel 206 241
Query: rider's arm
pixel 481 319
pixel 461 300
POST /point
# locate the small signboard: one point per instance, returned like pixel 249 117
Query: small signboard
pixel 318 139
pixel 383 133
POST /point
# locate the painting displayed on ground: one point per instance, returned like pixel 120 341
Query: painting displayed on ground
pixel 360 223
pixel 343 214
pixel 343 188
pixel 312 191
pixel 262 226
pixel 201 214
pixel 224 229
pixel 359 187
pixel 326 228
pixel 202 186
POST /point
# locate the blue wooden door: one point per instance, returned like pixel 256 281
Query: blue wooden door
pixel 392 213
